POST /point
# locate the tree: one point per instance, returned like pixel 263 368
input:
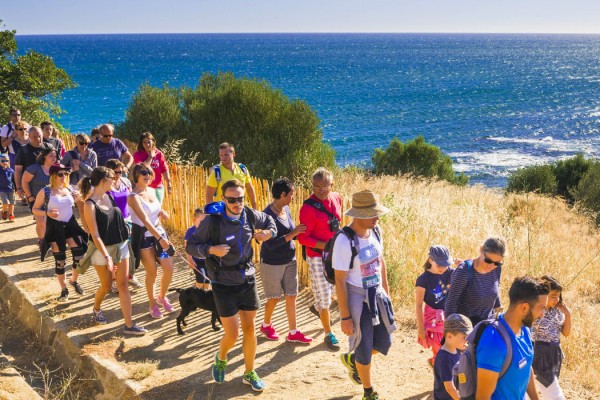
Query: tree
pixel 534 178
pixel 418 158
pixel 30 82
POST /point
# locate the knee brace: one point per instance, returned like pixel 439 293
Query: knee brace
pixel 60 259
pixel 77 253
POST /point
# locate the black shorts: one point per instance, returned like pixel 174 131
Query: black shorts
pixel 231 299
pixel 151 242
pixel 199 277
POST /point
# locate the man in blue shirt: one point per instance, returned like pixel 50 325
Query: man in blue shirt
pixel 528 298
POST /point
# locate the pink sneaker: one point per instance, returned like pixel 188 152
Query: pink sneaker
pixel 298 337
pixel 155 312
pixel 164 303
pixel 269 332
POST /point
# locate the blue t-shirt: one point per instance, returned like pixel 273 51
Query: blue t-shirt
pixel 276 251
pixel 106 151
pixel 491 352
pixel 442 372
pixel 436 287
pixel 188 235
pixel 6 175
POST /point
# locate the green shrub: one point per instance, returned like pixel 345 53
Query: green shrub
pixel 587 193
pixel 415 157
pixel 568 173
pixel 273 135
pixel 535 178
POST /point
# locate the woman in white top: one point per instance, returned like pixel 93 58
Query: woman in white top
pixel 56 201
pixel 149 239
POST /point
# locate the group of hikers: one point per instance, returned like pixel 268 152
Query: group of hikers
pixel 457 302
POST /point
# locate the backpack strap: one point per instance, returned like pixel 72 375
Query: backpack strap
pixel 251 218
pixel 243 168
pixel 470 268
pixel 315 204
pixel 351 235
pixel 46 197
pixel 217 170
pixel 509 350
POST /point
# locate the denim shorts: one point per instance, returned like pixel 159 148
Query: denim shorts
pixel 7 197
pixel 98 258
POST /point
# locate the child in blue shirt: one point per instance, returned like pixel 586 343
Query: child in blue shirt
pixel 456 329
pixel 7 190
pixel 201 281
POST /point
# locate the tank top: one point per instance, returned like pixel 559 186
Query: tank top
pixel 64 205
pixel 120 197
pixel 151 210
pixel 110 223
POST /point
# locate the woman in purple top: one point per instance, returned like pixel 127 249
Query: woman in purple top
pixel 120 190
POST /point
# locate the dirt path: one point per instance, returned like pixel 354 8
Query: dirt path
pixel 164 365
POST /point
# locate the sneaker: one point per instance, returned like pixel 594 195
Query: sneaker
pixel 134 282
pixel 298 337
pixel 155 312
pixel 269 332
pixel 4 215
pixel 77 287
pixel 24 202
pixel 350 363
pixel 372 396
pixel 218 369
pixel 252 379
pixel 332 342
pixel 314 310
pixel 64 295
pixel 164 303
pixel 114 288
pixel 135 330
pixel 98 316
pixel 11 218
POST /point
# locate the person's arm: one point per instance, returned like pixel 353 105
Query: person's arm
pixel 267 227
pixel 458 284
pixel 188 257
pixel 308 218
pixel 89 215
pixel 566 328
pixel 251 193
pixel 135 204
pixel 6 140
pixel 384 277
pixel 486 383
pixel 531 389
pixel 342 297
pixel 451 390
pixel 27 178
pixel 419 297
pixel 199 244
pixel 211 187
pixel 127 159
pixel 165 173
pixel 91 163
pixel 37 209
pixel 19 180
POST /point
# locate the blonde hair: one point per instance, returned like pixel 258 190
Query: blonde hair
pixel 54 182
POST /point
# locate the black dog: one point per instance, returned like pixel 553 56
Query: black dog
pixel 192 298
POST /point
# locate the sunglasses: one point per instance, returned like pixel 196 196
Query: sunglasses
pixel 488 260
pixel 233 200
pixel 83 143
pixel 3 161
pixel 107 135
pixel 62 174
pixel 121 172
pixel 144 172
pixel 21 129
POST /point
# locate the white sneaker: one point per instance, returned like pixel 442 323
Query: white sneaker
pixel 134 282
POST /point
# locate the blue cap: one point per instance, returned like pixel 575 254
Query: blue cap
pixel 215 208
pixel 441 255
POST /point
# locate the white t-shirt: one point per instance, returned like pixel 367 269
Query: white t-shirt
pixel 366 271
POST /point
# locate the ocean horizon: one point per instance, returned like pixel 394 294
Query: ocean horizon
pixel 493 102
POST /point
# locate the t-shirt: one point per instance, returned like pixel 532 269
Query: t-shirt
pixel 28 154
pixel 120 196
pixel 442 372
pixel 491 352
pixel 6 175
pixel 227 175
pixel 106 151
pixel 276 251
pixel 188 235
pixel 40 179
pixel 158 165
pixel 548 328
pixel 366 270
pixel 436 287
pixel 58 145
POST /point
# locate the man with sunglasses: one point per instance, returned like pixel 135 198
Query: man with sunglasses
pixel 475 284
pixel 109 147
pixel 8 132
pixel 224 240
pixel 27 155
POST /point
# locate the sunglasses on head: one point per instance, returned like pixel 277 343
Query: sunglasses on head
pixel 62 174
pixel 233 200
pixel 488 260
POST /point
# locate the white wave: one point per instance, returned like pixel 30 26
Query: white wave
pixel 548 143
pixel 500 162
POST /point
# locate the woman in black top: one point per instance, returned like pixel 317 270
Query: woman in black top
pixel 109 233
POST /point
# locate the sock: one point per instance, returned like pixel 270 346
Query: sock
pixel 265 325
pixel 293 332
pixel 368 391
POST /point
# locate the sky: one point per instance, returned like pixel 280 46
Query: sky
pixel 30 17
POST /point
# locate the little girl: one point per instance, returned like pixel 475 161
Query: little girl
pixel 548 355
pixel 431 289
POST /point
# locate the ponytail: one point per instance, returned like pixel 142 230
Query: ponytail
pixel 98 174
pixel 85 187
pixel 427 265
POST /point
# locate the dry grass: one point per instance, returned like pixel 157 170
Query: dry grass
pixel 142 370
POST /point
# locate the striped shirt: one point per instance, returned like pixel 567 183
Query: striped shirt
pixel 475 297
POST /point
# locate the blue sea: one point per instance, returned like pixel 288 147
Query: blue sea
pixel 492 102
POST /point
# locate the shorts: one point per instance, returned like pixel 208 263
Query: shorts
pixel 7 197
pixel 98 258
pixel 371 338
pixel 151 241
pixel 321 289
pixel 231 299
pixel 279 279
pixel 201 268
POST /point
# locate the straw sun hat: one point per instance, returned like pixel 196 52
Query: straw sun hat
pixel 365 204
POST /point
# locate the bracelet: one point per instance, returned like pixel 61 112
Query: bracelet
pixel 30 196
pixel 108 257
pixel 347 318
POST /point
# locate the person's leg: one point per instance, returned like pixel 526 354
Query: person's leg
pixel 160 194
pixel 290 311
pixel 269 309
pixel 247 321
pixel 147 258
pixel 231 330
pixel 321 291
pixel 40 227
pixel 122 275
pixel 105 281
pixel 76 256
pixel 60 261
pixel 167 276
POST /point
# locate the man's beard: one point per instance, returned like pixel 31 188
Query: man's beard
pixel 528 320
pixel 234 213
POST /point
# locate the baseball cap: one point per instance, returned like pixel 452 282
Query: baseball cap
pixel 458 323
pixel 441 255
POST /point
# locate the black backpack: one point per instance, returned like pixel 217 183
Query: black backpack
pixel 327 254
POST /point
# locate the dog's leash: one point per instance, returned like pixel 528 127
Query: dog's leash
pixel 191 265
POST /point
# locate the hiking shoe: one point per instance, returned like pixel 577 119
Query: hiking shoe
pixel 269 332
pixel 164 303
pixel 372 396
pixel 98 316
pixel 113 287
pixel 155 311
pixel 218 369
pixel 332 342
pixel 252 379
pixel 4 215
pixel 64 295
pixel 350 363
pixel 298 337
pixel 77 287
pixel 314 310
pixel 134 282
pixel 135 330
pixel 11 218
